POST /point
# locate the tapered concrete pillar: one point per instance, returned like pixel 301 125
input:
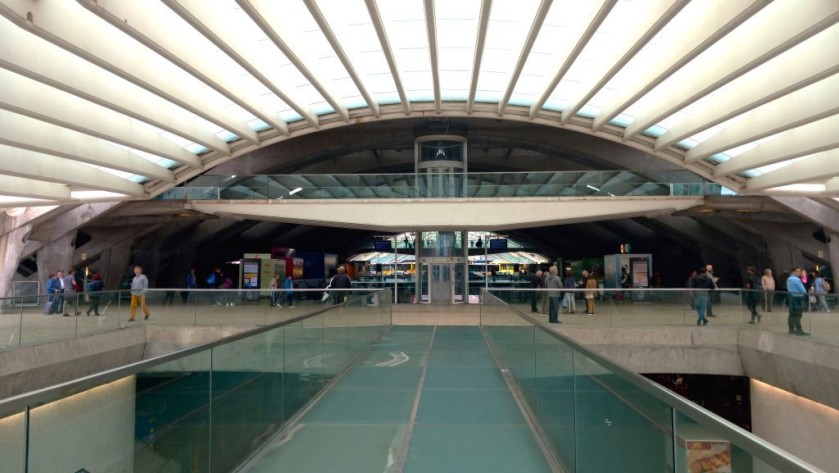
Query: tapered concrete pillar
pixel 114 265
pixel 11 249
pixel 782 256
pixel 55 255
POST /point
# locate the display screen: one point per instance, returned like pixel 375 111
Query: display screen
pixel 498 244
pixel 383 245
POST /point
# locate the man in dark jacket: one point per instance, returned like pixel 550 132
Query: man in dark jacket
pixel 341 280
pixel 536 282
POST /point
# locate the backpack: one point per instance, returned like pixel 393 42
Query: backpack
pixel 826 285
pixel 211 279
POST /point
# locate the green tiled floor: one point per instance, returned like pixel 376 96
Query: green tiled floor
pixel 467 420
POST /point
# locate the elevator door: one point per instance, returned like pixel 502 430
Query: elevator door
pixel 442 283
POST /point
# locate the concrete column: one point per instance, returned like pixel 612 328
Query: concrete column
pixel 11 249
pixel 833 257
pixel 55 255
pixel 114 265
pixel 782 256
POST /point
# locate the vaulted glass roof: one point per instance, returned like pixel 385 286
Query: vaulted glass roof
pixel 111 99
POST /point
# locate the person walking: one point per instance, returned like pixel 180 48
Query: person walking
pixel 820 289
pixel 754 291
pixel 275 294
pixel 796 295
pixel 94 288
pixel 341 280
pixel 702 287
pixel 710 273
pixel 139 286
pixel 569 302
pixel 767 281
pixel 191 285
pixel 536 282
pixel 590 284
pixel 553 284
pixel 71 291
pixel 288 293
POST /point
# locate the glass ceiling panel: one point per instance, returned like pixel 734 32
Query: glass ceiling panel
pixel 404 23
pixel 351 24
pixel 597 56
pixel 300 31
pixel 457 32
pixel 647 58
pixel 509 24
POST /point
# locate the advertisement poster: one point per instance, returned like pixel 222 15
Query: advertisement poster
pixel 708 456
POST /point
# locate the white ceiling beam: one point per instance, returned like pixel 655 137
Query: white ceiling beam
pixel 718 18
pixel 32 188
pixel 782 26
pixel 809 104
pixel 535 27
pixel 29 164
pixel 658 15
pixel 807 139
pixel 69 26
pixel 342 56
pixel 150 25
pixel 818 167
pixel 599 15
pixel 28 133
pixel 376 18
pixel 264 23
pixel 480 42
pixel 790 71
pixel 27 97
pixel 431 28
pixel 831 186
pixel 44 62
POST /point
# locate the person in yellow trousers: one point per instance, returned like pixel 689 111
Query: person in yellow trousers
pixel 139 286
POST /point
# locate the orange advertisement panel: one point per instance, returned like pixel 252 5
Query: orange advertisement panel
pixel 708 456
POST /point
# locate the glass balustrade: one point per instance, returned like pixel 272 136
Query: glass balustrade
pixel 41 318
pixel 203 409
pixel 478 185
pixel 598 416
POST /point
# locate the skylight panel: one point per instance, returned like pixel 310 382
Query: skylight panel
pixel 563 26
pixel 299 30
pixel 457 32
pixel 509 25
pixel 406 30
pixel 96 195
pixel 351 24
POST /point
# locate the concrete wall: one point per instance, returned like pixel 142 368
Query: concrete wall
pixel 806 429
pixel 93 430
pixel 29 368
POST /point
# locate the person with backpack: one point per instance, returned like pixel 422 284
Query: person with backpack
pixel 821 288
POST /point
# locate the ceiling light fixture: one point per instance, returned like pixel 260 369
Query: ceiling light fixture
pixel 295 191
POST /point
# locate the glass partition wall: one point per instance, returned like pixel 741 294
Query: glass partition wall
pixel 598 416
pixel 204 409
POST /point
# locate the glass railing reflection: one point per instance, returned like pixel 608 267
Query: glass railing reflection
pixel 598 416
pixel 206 408
pixel 470 185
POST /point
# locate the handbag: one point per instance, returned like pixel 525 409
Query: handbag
pixel 325 296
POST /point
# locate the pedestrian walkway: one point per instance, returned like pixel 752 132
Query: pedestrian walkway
pixel 426 398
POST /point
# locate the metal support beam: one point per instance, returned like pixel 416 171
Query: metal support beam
pixel 376 18
pixel 480 41
pixel 535 27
